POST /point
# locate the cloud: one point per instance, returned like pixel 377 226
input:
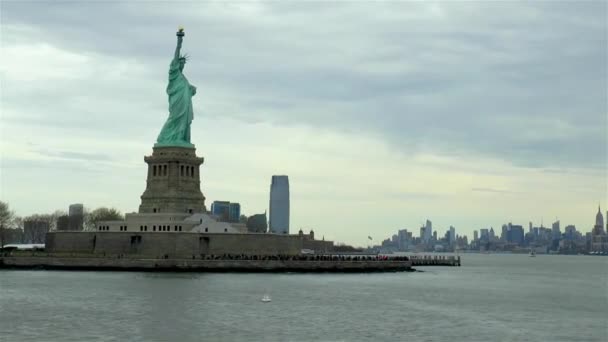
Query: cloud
pixel 498 191
pixel 527 86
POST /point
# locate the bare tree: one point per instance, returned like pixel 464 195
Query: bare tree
pixel 36 226
pixel 6 217
pixel 101 214
pixel 53 218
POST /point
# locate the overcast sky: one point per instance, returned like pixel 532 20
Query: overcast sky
pixel 471 114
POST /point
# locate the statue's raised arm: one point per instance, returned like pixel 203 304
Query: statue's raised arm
pixel 180 37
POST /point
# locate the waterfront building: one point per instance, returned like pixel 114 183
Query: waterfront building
pixel 279 205
pixel 475 235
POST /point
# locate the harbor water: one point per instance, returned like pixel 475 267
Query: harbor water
pixel 492 297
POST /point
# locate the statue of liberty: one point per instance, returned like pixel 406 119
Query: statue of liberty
pixel 176 131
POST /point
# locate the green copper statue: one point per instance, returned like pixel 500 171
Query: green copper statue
pixel 176 131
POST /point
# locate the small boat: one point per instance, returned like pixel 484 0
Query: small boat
pixel 532 254
pixel 266 299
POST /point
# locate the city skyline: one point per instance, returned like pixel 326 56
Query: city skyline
pixel 432 112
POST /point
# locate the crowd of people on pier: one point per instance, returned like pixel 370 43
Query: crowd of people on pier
pixel 302 257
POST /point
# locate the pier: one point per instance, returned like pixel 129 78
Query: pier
pixel 325 264
pixel 435 260
pixel 225 263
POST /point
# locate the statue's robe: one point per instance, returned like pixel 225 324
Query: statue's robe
pixel 176 131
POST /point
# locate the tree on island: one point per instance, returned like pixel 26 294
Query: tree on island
pixel 6 218
pixel 101 214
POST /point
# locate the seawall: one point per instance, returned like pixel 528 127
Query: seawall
pixel 199 265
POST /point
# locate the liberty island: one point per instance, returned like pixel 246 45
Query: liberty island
pixel 174 231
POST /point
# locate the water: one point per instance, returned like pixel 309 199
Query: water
pixel 490 298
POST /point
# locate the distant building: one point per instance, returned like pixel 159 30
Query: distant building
pixel 279 205
pixel 556 232
pixel 484 235
pixel 598 228
pixel 428 231
pixel 599 219
pixel 234 212
pixel 599 237
pixel 403 239
pixel 76 217
pixel 505 233
pixel 452 235
pixel 221 209
pixel 516 234
pixel 226 211
pixel 257 223
pixel 570 232
pixel 475 236
pixel 76 209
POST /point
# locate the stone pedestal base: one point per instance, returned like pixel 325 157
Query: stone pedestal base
pixel 173 184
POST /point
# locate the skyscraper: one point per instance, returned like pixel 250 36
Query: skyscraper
pixel 599 219
pixel 279 205
pixel 452 235
pixel 515 234
pixel 555 230
pixel 428 231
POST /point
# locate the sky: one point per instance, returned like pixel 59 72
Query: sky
pixel 382 114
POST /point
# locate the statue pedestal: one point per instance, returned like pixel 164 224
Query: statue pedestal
pixel 173 184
